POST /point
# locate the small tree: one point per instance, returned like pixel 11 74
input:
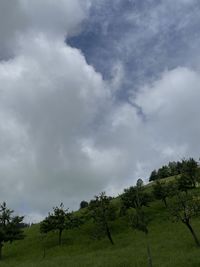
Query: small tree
pixel 10 226
pixel 191 171
pixel 163 172
pixel 161 191
pixel 83 204
pixel 173 168
pixel 59 220
pixel 153 176
pixel 140 221
pixel 133 201
pixel 55 221
pixel 183 208
pixel 139 183
pixel 103 212
pixel 134 197
pixel 184 183
pixel 172 188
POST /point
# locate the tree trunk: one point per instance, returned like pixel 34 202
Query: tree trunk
pixel 193 233
pixel 109 234
pixel 148 252
pixel 59 237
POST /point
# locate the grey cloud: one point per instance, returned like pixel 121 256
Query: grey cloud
pixel 63 135
pixel 54 18
pixel 12 20
pixel 53 97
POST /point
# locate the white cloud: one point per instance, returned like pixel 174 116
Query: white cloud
pixel 52 96
pixel 171 107
pixel 12 20
pixel 62 149
pixel 57 19
pixel 63 138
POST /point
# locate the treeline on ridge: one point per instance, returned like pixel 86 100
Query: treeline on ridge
pixel 173 168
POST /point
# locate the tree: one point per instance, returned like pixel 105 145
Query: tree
pixel 189 167
pixel 163 172
pixel 140 221
pixel 153 176
pixel 139 183
pixel 133 200
pixel 59 220
pixel 83 204
pixel 173 168
pixel 183 208
pixel 10 226
pixel 191 170
pixel 55 221
pixel 172 188
pixel 161 191
pixel 179 167
pixel 134 197
pixel 102 211
pixel 184 183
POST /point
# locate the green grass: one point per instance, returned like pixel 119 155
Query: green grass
pixel 171 246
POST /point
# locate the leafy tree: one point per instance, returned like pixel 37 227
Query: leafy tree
pixel 139 183
pixel 172 188
pixel 183 208
pixel 102 211
pixel 140 221
pixel 55 221
pixel 173 168
pixel 191 170
pixel 161 191
pixel 59 220
pixel 184 183
pixel 134 197
pixel 163 172
pixel 179 167
pixel 10 226
pixel 153 176
pixel 83 204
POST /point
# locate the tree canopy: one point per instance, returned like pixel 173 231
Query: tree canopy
pixel 103 212
pixel 10 226
pixel 61 219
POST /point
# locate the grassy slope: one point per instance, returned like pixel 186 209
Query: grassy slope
pixel 171 245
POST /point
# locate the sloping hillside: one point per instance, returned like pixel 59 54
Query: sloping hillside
pixel 171 245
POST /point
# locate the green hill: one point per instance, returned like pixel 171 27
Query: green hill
pixel 171 245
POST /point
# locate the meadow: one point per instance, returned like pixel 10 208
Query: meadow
pixel 171 245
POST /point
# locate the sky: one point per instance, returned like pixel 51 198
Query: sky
pixel 94 94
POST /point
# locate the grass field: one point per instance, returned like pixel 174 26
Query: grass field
pixel 171 246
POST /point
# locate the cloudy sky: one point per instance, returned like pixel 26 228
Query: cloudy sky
pixel 94 94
